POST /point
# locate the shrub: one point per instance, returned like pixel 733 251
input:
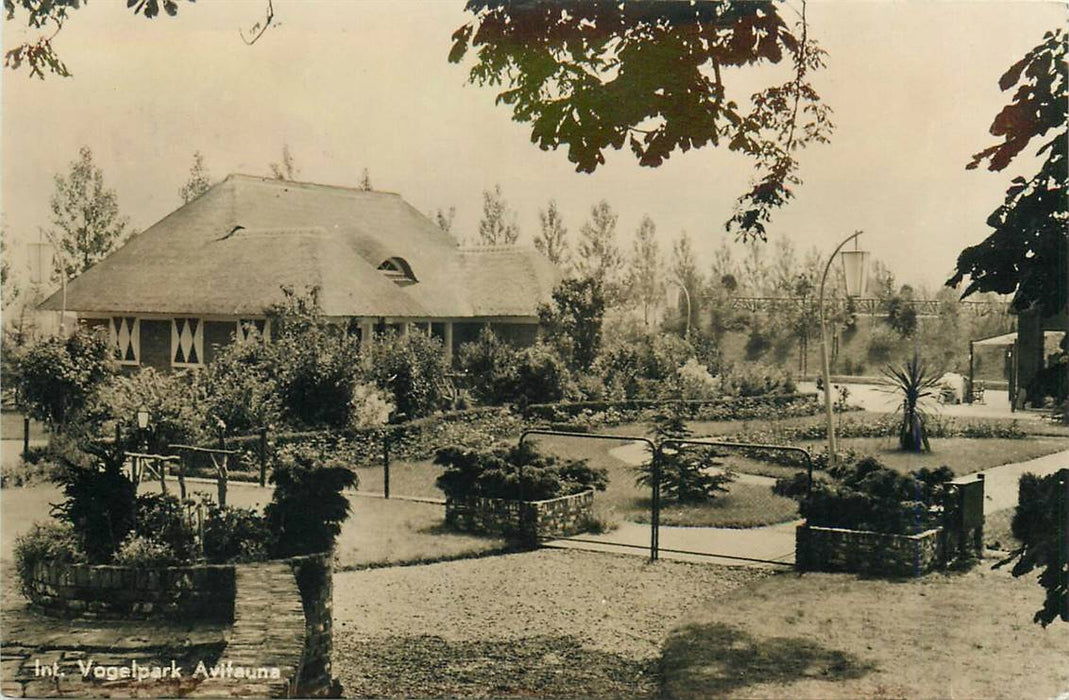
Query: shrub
pixel 491 368
pixel 541 376
pixel 58 378
pixel 882 343
pixel 750 379
pixel 370 407
pixel 572 321
pixel 176 411
pixel 162 519
pixel 872 497
pixel 688 474
pixel 51 542
pixel 514 473
pixel 412 368
pixel 100 504
pixel 241 387
pixel 639 366
pixel 308 507
pixel 144 551
pixel 696 383
pixel 1038 522
pixel 234 534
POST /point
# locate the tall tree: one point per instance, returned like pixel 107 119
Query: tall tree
pixel 597 256
pixel 9 291
pixel 684 270
pixel 1027 254
pixel 498 225
pixel 86 224
pixel 552 240
pixel 444 219
pixel 199 180
pixel 601 74
pixel 286 169
pixel 646 272
pixel 365 181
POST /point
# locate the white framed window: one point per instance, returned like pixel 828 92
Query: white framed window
pixel 245 327
pixel 125 332
pixel 187 342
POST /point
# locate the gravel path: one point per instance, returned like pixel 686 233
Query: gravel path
pixel 546 623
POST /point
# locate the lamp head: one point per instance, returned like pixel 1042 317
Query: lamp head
pixel 142 418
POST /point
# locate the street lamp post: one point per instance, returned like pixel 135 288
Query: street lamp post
pixel 854 269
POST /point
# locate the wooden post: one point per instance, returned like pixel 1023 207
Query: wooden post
pixel 263 456
pixel 386 463
pixel 222 473
pixel 182 474
pixel 161 466
pixel 25 436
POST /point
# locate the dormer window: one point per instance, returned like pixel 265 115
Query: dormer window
pixel 398 271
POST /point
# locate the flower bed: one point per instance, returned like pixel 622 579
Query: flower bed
pixel 524 521
pixel 591 413
pixel 865 552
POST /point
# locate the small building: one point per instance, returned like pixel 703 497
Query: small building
pixel 203 275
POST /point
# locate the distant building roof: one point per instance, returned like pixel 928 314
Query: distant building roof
pixel 371 254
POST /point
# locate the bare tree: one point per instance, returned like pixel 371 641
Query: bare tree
pixel 498 225
pixel 199 180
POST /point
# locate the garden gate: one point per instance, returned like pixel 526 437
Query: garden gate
pixel 657 451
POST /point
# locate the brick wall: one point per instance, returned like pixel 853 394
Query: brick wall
pixel 525 521
pixel 856 551
pixel 179 592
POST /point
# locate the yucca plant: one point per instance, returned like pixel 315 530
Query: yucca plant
pixel 914 381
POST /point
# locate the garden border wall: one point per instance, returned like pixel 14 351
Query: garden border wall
pixel 866 552
pixel 526 521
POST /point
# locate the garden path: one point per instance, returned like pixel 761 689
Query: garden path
pixel 1000 483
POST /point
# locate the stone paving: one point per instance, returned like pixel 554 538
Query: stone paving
pixel 55 657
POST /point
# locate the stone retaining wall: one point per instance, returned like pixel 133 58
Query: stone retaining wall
pixel 525 521
pixel 176 593
pixel 857 551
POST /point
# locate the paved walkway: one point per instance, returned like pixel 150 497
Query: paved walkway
pixel 773 543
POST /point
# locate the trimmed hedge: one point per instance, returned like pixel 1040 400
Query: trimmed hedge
pixel 720 408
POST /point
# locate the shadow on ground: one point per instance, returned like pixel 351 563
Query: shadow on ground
pixel 539 666
pixel 716 660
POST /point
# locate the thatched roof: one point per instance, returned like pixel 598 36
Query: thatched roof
pixel 231 250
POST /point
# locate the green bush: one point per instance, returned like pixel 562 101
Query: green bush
pixel 572 321
pixel 241 386
pixel 751 379
pixel 513 473
pixel 308 506
pixel 145 551
pixel 869 496
pixel 490 365
pixel 1038 523
pixel 45 542
pixel 100 504
pixel 541 376
pixel 412 368
pixel 163 519
pixel 638 366
pixel 234 534
pixel 175 406
pixel 58 378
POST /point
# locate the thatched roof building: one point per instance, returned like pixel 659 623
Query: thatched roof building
pixel 194 278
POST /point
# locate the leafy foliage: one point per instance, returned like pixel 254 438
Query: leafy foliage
pixel 1039 523
pixel 234 534
pixel 688 474
pixel 1028 250
pixel 100 504
pixel 45 542
pixel 514 473
pixel 241 384
pixel 572 322
pixel 915 382
pixel 59 378
pixel 200 180
pixel 552 238
pixel 145 551
pixel 412 368
pixel 869 496
pixel 498 225
pixel 645 274
pixel 308 506
pixel 162 519
pixel 86 224
pixel 491 365
pixel 597 75
pixel 597 255
pixel 173 401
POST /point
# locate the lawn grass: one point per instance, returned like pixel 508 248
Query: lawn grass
pixel 745 505
pixel 377 533
pixel 839 636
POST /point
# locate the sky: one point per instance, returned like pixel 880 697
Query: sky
pixel 351 85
